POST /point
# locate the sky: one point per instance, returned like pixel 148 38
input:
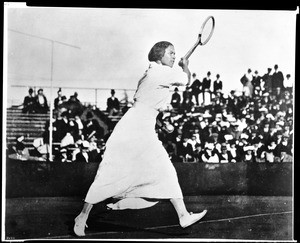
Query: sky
pixel 114 45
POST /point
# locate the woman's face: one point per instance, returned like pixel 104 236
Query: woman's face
pixel 169 58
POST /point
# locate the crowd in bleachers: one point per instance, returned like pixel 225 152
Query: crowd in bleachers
pixel 203 124
pixel 254 126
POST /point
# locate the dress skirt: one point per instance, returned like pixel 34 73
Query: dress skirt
pixel 135 164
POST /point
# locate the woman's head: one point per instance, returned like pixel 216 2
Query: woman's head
pixel 162 52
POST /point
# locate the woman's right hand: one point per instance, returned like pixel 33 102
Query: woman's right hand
pixel 184 63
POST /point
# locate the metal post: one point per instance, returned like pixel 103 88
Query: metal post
pixel 96 97
pixel 51 106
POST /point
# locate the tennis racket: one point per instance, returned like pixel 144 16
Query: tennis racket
pixel 204 36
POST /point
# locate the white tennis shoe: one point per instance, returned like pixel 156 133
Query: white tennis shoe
pixel 191 218
pixel 79 226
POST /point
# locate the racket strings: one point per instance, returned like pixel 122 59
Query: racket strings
pixel 207 30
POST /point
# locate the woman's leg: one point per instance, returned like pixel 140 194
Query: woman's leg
pixel 185 218
pixel 179 206
pixel 80 220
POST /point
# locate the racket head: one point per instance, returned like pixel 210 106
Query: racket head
pixel 206 30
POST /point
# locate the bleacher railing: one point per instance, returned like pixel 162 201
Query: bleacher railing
pixel 87 96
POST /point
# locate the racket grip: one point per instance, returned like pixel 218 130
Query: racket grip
pixel 180 63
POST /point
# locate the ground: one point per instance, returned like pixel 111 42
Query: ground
pixel 228 217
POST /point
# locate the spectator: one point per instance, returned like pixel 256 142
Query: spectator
pixel 196 88
pixel 187 103
pixel 74 105
pixel 232 150
pixel 198 153
pixel 218 85
pixel 60 99
pixel 74 98
pixel 20 152
pixel 61 127
pixel 285 157
pixel 249 155
pixel 288 84
pixel 113 104
pixel 92 128
pixel 185 150
pixel 206 83
pixel 246 81
pixel 29 103
pixel 256 82
pixel 82 155
pixel 267 78
pixel 176 99
pixel 277 80
pixel 270 151
pixel 80 126
pixel 225 156
pixel 41 103
pixel 283 145
pixel 74 128
pixel 259 150
pixel 210 154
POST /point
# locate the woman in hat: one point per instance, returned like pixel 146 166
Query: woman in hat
pixel 135 165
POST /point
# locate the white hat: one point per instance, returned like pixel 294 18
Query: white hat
pixel 247 148
pixel 20 139
pixel 263 109
pixel 85 144
pixel 244 135
pixel 269 115
pixel 228 137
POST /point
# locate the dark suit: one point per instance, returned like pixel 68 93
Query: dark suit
pixel 175 100
pixel 218 86
pixel 29 104
pixel 196 89
pixel 206 86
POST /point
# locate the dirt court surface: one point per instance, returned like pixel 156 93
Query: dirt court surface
pixel 228 217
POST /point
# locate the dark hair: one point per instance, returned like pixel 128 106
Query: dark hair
pixel 158 51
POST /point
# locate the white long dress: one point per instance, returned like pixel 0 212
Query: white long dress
pixel 135 164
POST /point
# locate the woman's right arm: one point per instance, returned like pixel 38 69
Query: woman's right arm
pixel 184 65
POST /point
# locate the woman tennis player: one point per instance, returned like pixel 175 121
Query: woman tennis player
pixel 135 165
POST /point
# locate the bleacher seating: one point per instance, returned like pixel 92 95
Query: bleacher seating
pixel 31 126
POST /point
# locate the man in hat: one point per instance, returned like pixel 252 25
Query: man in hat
pixel 259 149
pixel 267 78
pixel 92 127
pixel 277 80
pixel 176 99
pixel 283 145
pixel 113 104
pixel 217 85
pixel 246 82
pixel 29 102
pixel 225 156
pixel 41 102
pixel 21 152
pixel 288 84
pixel 256 82
pixel 60 99
pixel 210 154
pixel 185 150
pixel 61 126
pixel 206 83
pixel 196 88
pixel 249 155
pixel 285 156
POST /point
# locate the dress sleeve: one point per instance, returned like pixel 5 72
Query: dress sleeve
pixel 173 77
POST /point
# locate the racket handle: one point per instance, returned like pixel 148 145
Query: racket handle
pixel 188 54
